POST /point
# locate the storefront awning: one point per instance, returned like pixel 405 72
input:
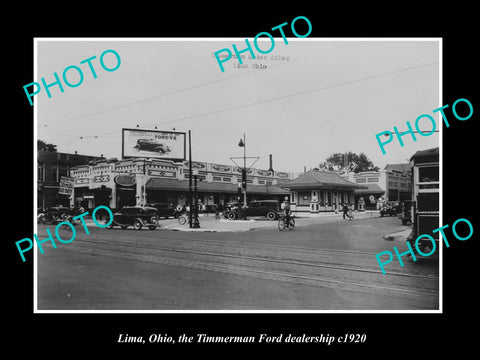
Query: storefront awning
pixel 371 189
pixel 211 187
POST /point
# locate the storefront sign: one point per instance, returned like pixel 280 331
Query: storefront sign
pixel 163 173
pixel 80 181
pixel 66 186
pixel 101 178
pixel 153 144
pixel 222 168
pixel 125 180
pixel 196 165
pixel 265 172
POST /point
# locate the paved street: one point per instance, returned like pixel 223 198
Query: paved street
pixel 325 263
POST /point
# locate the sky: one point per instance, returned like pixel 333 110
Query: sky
pixel 312 97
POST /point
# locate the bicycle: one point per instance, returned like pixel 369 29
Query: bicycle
pixel 282 224
pixel 182 219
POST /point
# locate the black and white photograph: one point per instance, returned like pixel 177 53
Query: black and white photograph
pixel 217 177
pixel 271 185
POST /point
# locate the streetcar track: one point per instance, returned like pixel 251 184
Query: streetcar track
pixel 277 275
pixel 264 259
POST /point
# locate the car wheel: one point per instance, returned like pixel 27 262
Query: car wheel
pixel 137 224
pixel 271 215
pixel 232 216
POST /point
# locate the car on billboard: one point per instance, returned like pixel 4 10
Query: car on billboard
pixel 136 216
pixel 152 145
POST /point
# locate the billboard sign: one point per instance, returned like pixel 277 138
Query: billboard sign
pixel 153 144
pixel 66 186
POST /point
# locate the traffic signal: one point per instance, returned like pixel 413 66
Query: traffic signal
pixel 244 178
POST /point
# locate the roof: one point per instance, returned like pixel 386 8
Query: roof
pixel 428 155
pixel 399 167
pixel 371 189
pixel 321 179
pixel 182 185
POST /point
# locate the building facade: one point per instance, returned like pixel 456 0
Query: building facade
pixel 138 181
pixel 393 183
pixel 51 166
pixel 320 191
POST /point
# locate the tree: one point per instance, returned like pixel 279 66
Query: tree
pixel 44 146
pixel 348 161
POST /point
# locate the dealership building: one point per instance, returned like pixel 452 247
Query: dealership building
pixel 137 181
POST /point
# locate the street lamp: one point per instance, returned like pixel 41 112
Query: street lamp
pixel 242 143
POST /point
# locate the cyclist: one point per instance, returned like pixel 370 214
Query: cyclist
pixel 287 211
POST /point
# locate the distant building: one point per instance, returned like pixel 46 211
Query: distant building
pixel 51 166
pixel 393 183
pixel 320 191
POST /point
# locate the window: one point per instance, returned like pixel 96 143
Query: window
pixel 227 179
pixel 372 180
pixel 428 174
pixel 360 181
pixel 54 174
pixel 217 178
pixel 41 173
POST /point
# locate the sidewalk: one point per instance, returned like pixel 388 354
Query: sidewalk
pixel 210 224
pixel 399 235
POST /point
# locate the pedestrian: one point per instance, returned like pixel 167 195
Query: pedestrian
pixel 350 211
pixel 345 210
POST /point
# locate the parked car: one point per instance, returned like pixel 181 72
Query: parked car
pixel 163 210
pixel 268 208
pixel 228 207
pixel 54 214
pixel 391 208
pixel 136 216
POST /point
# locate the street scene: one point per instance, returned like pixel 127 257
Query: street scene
pixel 325 263
pixel 260 188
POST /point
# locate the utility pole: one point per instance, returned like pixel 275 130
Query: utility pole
pixel 190 177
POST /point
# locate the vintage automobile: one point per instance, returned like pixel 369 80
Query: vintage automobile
pixel 54 214
pixel 152 145
pixel 267 208
pixel 136 216
pixel 391 208
pixel 164 210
